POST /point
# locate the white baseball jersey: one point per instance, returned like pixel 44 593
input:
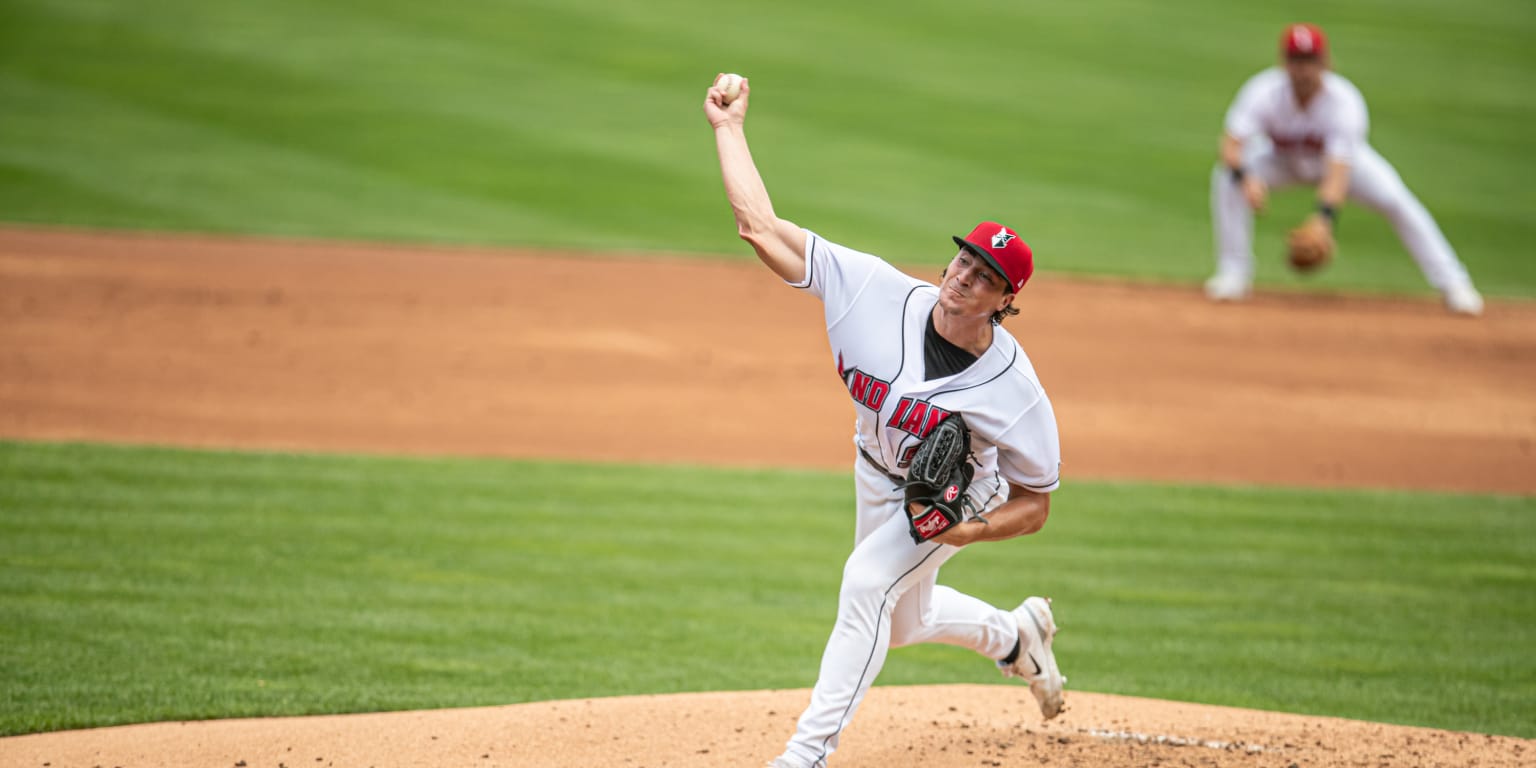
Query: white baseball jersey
pixel 876 321
pixel 1334 124
pixel 876 317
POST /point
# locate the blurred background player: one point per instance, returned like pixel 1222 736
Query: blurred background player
pixel 1301 123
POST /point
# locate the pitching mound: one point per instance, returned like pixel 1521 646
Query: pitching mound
pixel 960 726
pixel 313 346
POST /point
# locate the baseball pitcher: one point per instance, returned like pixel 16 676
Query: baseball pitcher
pixel 955 441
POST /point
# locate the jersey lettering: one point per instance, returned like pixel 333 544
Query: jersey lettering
pixel 865 389
pixel 1306 143
pixel 916 417
pixel 935 415
pixel 913 424
pixel 868 390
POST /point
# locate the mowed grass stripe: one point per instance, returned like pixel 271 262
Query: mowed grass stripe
pixel 142 584
pixel 148 585
pixel 577 124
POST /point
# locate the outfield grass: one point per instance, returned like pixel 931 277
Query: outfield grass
pixel 1091 126
pixel 159 584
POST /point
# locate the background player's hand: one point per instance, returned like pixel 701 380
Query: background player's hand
pixel 1319 224
pixel 1310 246
pixel 720 113
pixel 1256 192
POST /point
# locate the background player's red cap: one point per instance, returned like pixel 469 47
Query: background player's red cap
pixel 1303 41
pixel 1003 250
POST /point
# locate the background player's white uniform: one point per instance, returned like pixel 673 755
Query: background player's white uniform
pixel 1284 145
pixel 876 316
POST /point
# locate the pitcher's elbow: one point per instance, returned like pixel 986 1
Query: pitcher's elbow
pixel 752 231
pixel 1042 513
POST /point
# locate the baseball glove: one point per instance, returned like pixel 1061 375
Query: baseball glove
pixel 1310 246
pixel 937 478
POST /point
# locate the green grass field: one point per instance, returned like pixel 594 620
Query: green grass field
pixel 159 584
pixel 1091 126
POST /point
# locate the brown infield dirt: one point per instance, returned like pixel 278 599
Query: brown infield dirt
pixel 245 343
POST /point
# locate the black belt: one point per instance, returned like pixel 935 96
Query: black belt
pixel 877 465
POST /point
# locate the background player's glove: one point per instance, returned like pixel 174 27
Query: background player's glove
pixel 1310 245
pixel 937 478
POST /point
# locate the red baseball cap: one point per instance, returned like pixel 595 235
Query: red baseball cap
pixel 1304 41
pixel 1003 250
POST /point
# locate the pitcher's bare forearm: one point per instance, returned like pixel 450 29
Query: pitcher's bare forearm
pixel 1022 514
pixel 779 243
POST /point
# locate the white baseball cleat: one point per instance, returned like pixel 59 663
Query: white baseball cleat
pixel 1463 300
pixel 1227 286
pixel 1036 663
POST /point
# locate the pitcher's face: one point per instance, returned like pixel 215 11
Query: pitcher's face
pixel 972 287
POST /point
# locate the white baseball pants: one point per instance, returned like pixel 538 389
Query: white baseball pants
pixel 1372 181
pixel 888 599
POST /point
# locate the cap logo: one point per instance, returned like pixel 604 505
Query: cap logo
pixel 1000 240
pixel 1303 39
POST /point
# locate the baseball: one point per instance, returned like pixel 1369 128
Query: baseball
pixel 730 85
